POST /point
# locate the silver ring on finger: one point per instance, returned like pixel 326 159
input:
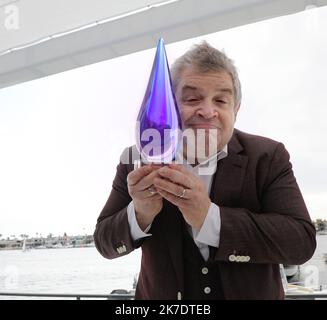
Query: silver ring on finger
pixel 152 190
pixel 182 195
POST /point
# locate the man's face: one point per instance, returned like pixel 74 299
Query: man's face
pixel 206 101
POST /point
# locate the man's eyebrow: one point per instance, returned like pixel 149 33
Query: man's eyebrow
pixel 226 90
pixel 188 87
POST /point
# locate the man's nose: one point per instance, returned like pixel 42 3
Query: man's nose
pixel 207 110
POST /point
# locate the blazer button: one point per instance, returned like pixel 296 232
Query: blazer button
pixel 204 270
pixel 121 249
pixel 207 290
pixel 232 258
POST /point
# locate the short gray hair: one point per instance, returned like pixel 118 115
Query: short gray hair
pixel 206 58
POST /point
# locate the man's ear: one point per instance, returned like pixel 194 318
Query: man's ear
pixel 237 108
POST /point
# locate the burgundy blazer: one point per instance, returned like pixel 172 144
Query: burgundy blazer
pixel 263 218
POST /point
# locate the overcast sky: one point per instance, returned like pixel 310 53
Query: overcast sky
pixel 61 136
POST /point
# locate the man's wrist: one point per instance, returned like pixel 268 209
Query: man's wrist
pixel 136 231
pixel 142 221
pixel 204 216
pixel 209 233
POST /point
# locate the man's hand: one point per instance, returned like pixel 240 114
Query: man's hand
pixel 184 190
pixel 147 201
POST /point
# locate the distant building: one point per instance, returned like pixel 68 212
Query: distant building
pixel 321 225
pixel 48 242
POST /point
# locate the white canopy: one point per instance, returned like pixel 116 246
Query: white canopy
pixel 43 37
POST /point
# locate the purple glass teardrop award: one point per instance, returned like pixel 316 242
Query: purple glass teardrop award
pixel 158 128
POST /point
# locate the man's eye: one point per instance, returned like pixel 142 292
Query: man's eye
pixel 191 99
pixel 221 101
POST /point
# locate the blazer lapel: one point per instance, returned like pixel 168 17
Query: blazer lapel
pixel 230 174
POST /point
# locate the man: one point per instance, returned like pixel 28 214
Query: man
pixel 217 235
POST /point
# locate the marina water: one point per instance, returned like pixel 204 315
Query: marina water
pixel 85 271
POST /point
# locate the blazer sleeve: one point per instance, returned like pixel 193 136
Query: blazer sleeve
pixel 112 232
pixel 282 232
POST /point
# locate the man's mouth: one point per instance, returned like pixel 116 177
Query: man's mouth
pixel 203 126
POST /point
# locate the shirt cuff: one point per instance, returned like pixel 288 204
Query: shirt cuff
pixel 209 233
pixel 136 231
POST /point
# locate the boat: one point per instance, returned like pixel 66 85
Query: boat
pixel 57 246
pixel 24 248
pixel 291 270
pixel 24 245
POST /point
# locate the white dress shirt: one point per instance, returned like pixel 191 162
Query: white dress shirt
pixel 209 234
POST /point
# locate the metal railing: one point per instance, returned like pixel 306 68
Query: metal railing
pixel 130 296
pixel 77 296
pixel 306 296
